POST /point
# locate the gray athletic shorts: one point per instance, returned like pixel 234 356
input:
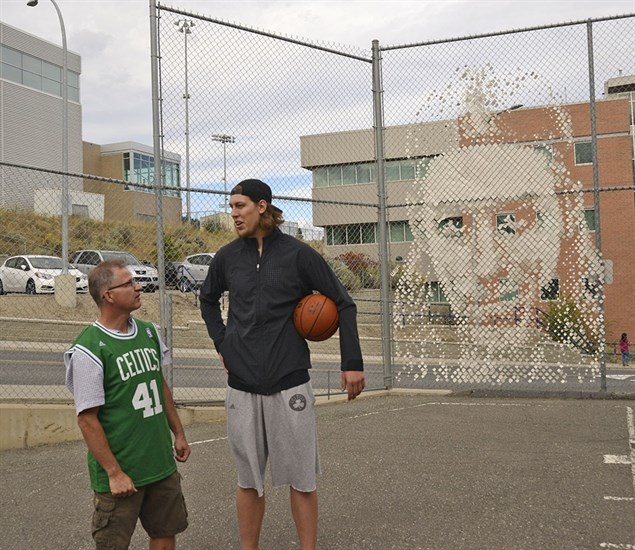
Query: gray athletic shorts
pixel 279 427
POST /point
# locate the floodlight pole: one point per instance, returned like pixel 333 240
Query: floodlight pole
pixel 65 197
pixel 224 139
pixel 185 26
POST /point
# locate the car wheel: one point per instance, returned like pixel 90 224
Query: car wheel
pixel 30 287
pixel 184 285
pixel 1 288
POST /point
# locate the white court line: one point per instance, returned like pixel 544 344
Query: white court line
pixel 617 546
pixel 631 440
pixel 617 459
pixel 627 499
pixel 208 440
pixel 442 403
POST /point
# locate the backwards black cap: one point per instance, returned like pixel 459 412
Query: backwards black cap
pixel 256 190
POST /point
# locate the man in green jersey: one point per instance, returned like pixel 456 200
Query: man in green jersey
pixel 125 412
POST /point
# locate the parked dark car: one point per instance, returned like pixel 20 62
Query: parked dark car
pixel 172 274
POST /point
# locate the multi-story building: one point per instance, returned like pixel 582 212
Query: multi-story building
pixel 31 124
pixel 31 135
pixel 132 162
pixel 342 166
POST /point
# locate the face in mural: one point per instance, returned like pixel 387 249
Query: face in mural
pixel 491 224
pixel 496 226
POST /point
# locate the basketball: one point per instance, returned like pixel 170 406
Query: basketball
pixel 316 318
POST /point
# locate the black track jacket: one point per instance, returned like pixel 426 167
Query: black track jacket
pixel 260 347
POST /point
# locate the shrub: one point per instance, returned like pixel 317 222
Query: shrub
pixel 565 323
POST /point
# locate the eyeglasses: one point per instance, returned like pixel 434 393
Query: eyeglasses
pixel 130 284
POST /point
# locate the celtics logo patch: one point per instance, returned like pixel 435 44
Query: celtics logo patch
pixel 297 402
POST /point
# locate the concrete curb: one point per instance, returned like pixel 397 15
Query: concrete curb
pixel 28 425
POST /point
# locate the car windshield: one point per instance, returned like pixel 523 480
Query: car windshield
pixel 42 262
pixel 126 257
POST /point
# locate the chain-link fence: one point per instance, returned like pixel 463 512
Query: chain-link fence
pixel 462 190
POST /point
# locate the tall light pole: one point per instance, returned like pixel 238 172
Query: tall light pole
pixel 185 26
pixel 65 201
pixel 224 139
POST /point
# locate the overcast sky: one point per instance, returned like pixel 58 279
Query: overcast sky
pixel 112 37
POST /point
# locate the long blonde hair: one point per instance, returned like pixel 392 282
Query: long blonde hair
pixel 271 218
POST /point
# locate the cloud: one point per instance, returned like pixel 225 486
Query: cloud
pixel 112 36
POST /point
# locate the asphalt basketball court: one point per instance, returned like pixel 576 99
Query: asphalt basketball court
pixel 399 472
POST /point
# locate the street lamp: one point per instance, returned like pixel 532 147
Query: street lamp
pixel 65 201
pixel 224 139
pixel 185 26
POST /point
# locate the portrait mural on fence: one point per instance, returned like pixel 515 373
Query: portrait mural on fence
pixel 499 235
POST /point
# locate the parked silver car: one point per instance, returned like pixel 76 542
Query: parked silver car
pixel 146 276
pixel 193 270
pixel 35 274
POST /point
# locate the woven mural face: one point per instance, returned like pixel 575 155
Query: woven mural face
pixel 500 237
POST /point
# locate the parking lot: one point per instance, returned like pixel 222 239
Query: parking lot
pixel 399 472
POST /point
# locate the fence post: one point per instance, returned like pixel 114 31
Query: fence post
pixel 382 221
pixel 158 171
pixel 596 205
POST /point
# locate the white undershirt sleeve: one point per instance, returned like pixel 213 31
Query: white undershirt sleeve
pixel 85 380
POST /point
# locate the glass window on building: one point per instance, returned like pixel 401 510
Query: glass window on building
pixel 11 57
pixel 369 231
pixel 139 168
pixel 409 236
pixel 349 175
pixel 52 72
pixel 37 74
pixel 126 166
pixel 32 64
pixel 320 177
pixel 334 175
pixel 365 173
pixel 73 86
pixel 506 223
pixel 408 169
pixel 339 234
pixel 433 292
pixel 399 232
pixel 392 170
pixel 51 87
pixel 32 72
pixel 583 152
pixel 9 72
pixel 354 234
pixel 551 290
pixel 589 220
pixel 32 80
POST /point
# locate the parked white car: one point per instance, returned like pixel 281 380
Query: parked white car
pixel 147 276
pixel 36 274
pixel 193 270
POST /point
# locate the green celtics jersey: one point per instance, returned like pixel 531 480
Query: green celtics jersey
pixel 133 415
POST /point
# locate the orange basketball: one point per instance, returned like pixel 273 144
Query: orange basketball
pixel 316 318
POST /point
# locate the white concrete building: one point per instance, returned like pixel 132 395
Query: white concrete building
pixel 31 125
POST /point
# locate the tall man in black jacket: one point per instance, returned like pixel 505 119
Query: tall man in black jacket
pixel 270 403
